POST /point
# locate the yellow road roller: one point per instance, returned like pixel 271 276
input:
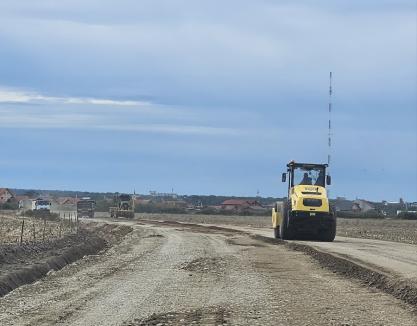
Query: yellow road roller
pixel 306 211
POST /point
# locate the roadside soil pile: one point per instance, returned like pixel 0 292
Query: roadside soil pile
pixel 26 263
pixel 405 290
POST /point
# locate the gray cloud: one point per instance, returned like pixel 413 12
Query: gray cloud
pixel 49 112
pixel 240 75
pixel 213 52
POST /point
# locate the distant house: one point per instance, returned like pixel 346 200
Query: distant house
pixel 400 212
pixel 234 204
pixel 343 205
pixel 19 198
pixel 67 201
pixel 413 205
pixel 141 201
pixel 6 195
pixel 361 205
pixel 241 204
pixel 175 203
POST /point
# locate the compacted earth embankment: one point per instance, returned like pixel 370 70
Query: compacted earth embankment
pixel 28 262
pixel 403 231
pixel 400 288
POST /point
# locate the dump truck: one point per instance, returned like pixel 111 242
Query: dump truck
pixel 125 206
pixel 306 210
pixel 86 207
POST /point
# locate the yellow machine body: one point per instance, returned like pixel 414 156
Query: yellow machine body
pixel 307 208
pixel 297 196
pixel 300 193
pixel 276 216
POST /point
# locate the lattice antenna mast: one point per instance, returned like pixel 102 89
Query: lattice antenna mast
pixel 329 140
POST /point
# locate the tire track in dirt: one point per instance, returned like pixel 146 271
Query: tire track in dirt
pixel 405 290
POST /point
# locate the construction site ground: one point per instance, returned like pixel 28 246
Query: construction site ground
pixel 169 273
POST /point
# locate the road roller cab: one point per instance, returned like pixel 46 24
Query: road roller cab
pixel 306 210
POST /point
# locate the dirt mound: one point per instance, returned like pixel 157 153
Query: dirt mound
pixel 25 264
pixel 13 253
pixel 204 316
pixel 26 275
pixel 204 265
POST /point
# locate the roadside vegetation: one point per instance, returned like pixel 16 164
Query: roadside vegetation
pixel 373 214
pixel 9 206
pixel 407 216
pixel 24 230
pixel 41 214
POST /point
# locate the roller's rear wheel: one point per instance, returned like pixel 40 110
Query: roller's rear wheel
pixel 285 230
pixel 276 232
pixel 329 234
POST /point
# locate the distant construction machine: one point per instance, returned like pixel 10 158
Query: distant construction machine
pixel 40 204
pixel 306 210
pixel 125 206
pixel 86 207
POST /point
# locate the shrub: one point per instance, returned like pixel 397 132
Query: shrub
pixel 42 214
pixel 104 205
pixel 407 216
pixel 149 208
pixel 368 214
pixel 373 214
pixel 230 212
pixel 9 206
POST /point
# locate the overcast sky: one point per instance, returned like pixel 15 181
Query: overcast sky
pixel 207 97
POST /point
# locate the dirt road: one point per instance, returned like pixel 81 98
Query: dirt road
pixel 182 275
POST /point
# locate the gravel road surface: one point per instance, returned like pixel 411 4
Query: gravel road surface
pixel 185 275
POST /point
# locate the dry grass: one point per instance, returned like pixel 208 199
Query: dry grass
pixel 404 231
pixel 34 230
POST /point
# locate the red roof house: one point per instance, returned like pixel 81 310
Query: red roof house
pixel 5 195
pixel 239 204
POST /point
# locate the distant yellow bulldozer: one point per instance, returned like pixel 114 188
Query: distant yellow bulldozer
pixel 306 210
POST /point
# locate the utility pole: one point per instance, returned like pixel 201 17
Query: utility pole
pixel 329 135
pixel 329 142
